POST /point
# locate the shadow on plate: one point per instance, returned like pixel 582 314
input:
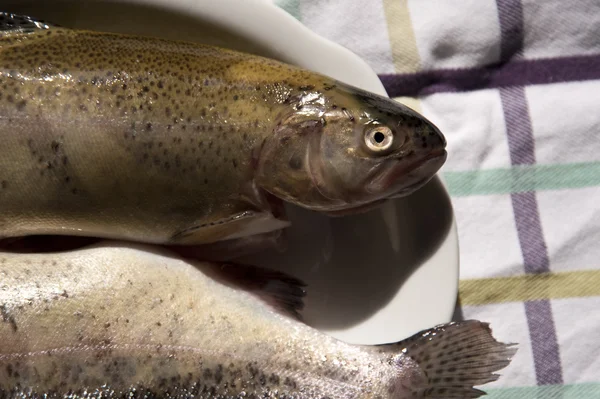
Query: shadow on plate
pixel 138 19
pixel 355 265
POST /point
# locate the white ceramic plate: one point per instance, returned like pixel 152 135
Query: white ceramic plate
pixel 372 278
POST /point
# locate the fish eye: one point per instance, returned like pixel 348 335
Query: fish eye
pixel 379 138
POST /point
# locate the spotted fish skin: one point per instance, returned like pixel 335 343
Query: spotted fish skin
pixel 150 140
pixel 99 129
pixel 118 320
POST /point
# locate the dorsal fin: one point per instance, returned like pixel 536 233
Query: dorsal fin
pixel 22 23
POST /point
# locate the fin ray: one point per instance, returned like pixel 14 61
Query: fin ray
pixel 452 359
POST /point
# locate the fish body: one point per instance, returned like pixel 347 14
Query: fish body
pixel 151 140
pixel 121 321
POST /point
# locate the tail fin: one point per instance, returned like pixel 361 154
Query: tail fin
pixel 455 357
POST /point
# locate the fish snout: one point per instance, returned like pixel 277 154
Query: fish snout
pixel 428 140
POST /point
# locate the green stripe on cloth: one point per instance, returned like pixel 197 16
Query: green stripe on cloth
pixel 530 287
pixel 572 391
pixel 292 7
pixel 523 178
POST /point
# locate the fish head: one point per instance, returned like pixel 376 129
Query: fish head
pixel 344 150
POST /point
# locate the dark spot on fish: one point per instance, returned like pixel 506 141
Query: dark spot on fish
pixel 148 126
pixel 74 191
pixel 8 318
pixel 4 184
pixel 289 382
pixel 274 379
pixel 10 98
pixel 295 163
pixel 219 374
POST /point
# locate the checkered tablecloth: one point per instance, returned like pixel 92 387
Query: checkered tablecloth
pixel 515 87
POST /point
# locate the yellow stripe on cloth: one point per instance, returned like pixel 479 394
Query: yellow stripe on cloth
pixel 529 287
pixel 405 54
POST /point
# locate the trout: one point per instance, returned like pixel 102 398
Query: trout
pixel 156 141
pixel 124 320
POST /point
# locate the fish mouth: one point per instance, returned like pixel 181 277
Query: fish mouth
pixel 400 179
pixel 385 187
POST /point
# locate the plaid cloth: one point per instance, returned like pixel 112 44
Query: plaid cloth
pixel 515 87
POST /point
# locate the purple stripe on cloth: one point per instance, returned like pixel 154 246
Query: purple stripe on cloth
pixel 510 78
pixel 529 230
pixel 510 14
pixel 518 126
pixel 515 73
pixel 546 353
pixel 544 343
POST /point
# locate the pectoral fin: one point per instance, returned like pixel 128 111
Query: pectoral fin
pixel 283 292
pixel 227 250
pixel 239 225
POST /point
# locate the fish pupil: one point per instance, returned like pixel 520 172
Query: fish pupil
pixel 379 137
